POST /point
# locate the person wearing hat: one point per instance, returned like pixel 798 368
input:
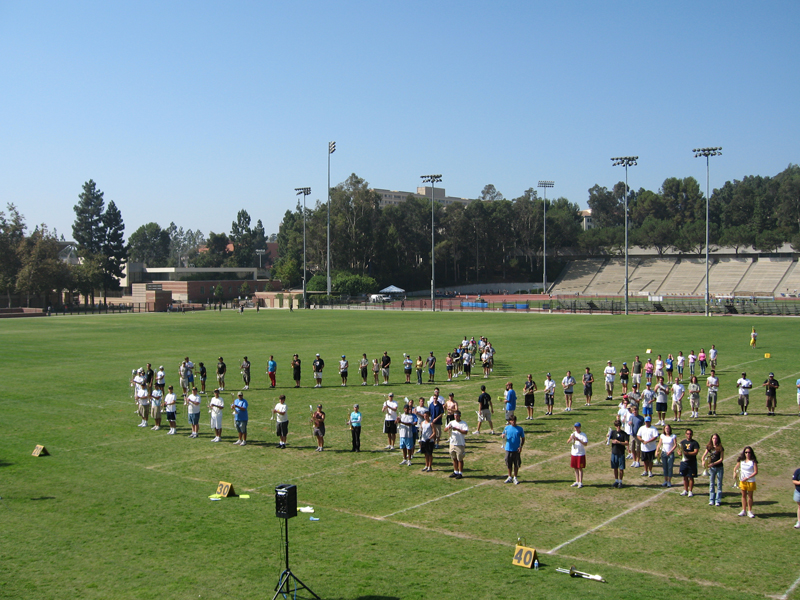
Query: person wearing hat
pixel 386 362
pixel 355 428
pixel 549 394
pixel 239 407
pixel 318 421
pixel 170 407
pixel 189 372
pixel 577 461
pixel 390 421
pixel 281 412
pixel 408 365
pixel 772 386
pixel 221 370
pixel 458 429
pixel 245 367
pixel 647 399
pixel 142 397
pixel 624 375
pixel 744 385
pixel 648 436
pixel 344 365
pixel 316 366
pixel 609 373
pixel 618 440
pixel 215 406
pixel 160 377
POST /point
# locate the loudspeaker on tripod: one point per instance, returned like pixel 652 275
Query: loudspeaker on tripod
pixel 286 501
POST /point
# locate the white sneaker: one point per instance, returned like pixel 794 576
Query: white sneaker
pixel 690 494
pixel 509 479
pixel 742 514
pixel 797 525
pixel 684 492
pixel 408 463
pixel 402 462
pixel 216 439
pixel 745 413
pixel 236 443
pixel 157 427
pixel 580 485
pixel 244 443
pixel 574 484
pixel 516 481
pixel 750 514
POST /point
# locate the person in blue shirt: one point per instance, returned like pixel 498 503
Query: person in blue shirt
pixel 515 440
pixel 240 419
pixel 355 428
pixel 511 401
pixel 272 367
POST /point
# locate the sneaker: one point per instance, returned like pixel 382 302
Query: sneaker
pixel 216 439
pixel 665 485
pixel 669 485
pixel 236 443
pixel 716 504
pixel 711 503
pixel 620 484
pixel 574 484
pixel 491 432
pixel 745 413
pixel 157 428
pixel 391 447
pixel 797 525
pixel 516 481
pixel 650 474
pixel 644 473
pixel 453 475
pixel 388 448
pixel 616 483
pixel 580 485
pixel 459 476
pixel 402 462
pixel 742 514
pixel 509 479
pixel 751 515
pixel 684 492
pixel 690 494
pixel 244 443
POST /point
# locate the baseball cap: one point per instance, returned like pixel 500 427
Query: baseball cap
pixel 161 367
pixel 239 394
pixel 609 361
pixel 342 355
pixel 391 395
pixel 548 374
pixel 772 374
pixel 647 419
pixel 577 425
pixel 319 405
pixel 649 383
pixel 318 354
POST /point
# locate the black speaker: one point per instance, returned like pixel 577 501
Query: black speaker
pixel 286 501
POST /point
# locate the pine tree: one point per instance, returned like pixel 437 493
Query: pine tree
pixel 88 227
pixel 113 251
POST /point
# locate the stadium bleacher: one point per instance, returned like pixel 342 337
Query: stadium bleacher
pixel 650 274
pixel 685 278
pixel 727 273
pixel 763 276
pixel 610 279
pixel 790 284
pixel 577 276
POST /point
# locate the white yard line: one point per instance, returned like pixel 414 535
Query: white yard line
pixel 791 589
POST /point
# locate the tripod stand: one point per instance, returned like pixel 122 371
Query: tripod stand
pixel 283 587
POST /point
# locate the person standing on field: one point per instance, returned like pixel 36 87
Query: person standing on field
pixel 568 383
pixel 712 383
pixel 240 418
pixel 221 370
pixel 155 407
pixel 281 421
pixel 744 385
pixel 688 469
pixel 245 366
pixel 514 436
pixel 215 407
pixel 296 370
pixel 609 372
pixel 390 421
pixel 578 442
pixel 355 428
pixel 486 410
pixel 170 406
pixel 511 401
pixel 746 469
pixel 272 368
pixel 458 429
pixel 386 362
pixel 363 366
pixel 588 380
pixel 528 392
pixel 431 362
pixel 772 385
pixel 618 440
pixel 318 420
pixel 317 366
pixel 549 394
pixel 344 366
pixel 193 403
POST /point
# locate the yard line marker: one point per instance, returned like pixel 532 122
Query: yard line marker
pixel 791 589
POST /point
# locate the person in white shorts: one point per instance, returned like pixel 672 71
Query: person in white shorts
pixel 170 406
pixel 215 406
pixel 609 372
pixel 155 407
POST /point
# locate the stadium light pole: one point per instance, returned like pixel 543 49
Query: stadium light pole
pixel 707 152
pixel 305 191
pixel 432 179
pixel 626 161
pixel 545 185
pixel 331 150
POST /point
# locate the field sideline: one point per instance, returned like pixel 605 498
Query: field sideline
pixel 120 511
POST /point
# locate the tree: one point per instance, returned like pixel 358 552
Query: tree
pixel 149 245
pixel 607 209
pixel 654 233
pixel 113 250
pixel 242 239
pixel 88 229
pixel 244 289
pixel 216 251
pixel 41 270
pixel 288 272
pixel 219 292
pixel 12 232
pixel 347 284
pixel 490 194
pixel 738 236
pixel 87 276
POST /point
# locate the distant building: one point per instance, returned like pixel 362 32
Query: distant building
pixel 586 219
pixel 394 197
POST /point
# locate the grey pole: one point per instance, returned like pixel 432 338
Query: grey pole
pixel 331 150
pixel 545 185
pixel 305 191
pixel 626 161
pixel 432 179
pixel 707 152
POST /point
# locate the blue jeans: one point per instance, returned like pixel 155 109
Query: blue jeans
pixel 667 461
pixel 715 476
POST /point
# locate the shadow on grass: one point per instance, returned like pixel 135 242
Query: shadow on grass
pixel 44 498
pixel 779 515
pixel 5 464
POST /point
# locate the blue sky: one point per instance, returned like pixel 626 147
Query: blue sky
pixel 188 112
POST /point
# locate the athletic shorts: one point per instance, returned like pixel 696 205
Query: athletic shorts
pixel 618 461
pixel 549 400
pixel 343 374
pixel 744 400
pixel 530 400
pixel 457 453
pixel 747 486
pixel 317 374
pixel 406 443
pixel 389 427
pixel 426 447
pixel 241 426
pixel 194 418
pixel 319 431
pixel 282 429
pixel 406 371
pixel 216 420
pixel 648 456
pixel 577 462
pixel 587 390
pixel 661 407
pixel 637 378
pixel 712 397
pixel 688 469
pixel 170 416
pixel 385 372
pixel 364 372
pixel 647 411
pixel 513 459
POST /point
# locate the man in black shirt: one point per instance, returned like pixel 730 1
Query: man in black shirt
pixel 386 362
pixel 772 386
pixel 317 367
pixel 689 450
pixel 619 446
pixel 221 369
pixel 485 410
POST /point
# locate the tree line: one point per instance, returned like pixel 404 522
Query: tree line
pixel 496 239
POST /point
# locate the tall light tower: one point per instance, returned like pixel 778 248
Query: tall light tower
pixel 707 152
pixel 626 161
pixel 331 150
pixel 433 180
pixel 305 191
pixel 545 185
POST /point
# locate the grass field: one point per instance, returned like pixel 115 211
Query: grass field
pixel 119 511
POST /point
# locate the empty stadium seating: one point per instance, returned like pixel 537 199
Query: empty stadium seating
pixel 763 276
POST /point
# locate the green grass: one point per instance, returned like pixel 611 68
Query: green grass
pixel 119 511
